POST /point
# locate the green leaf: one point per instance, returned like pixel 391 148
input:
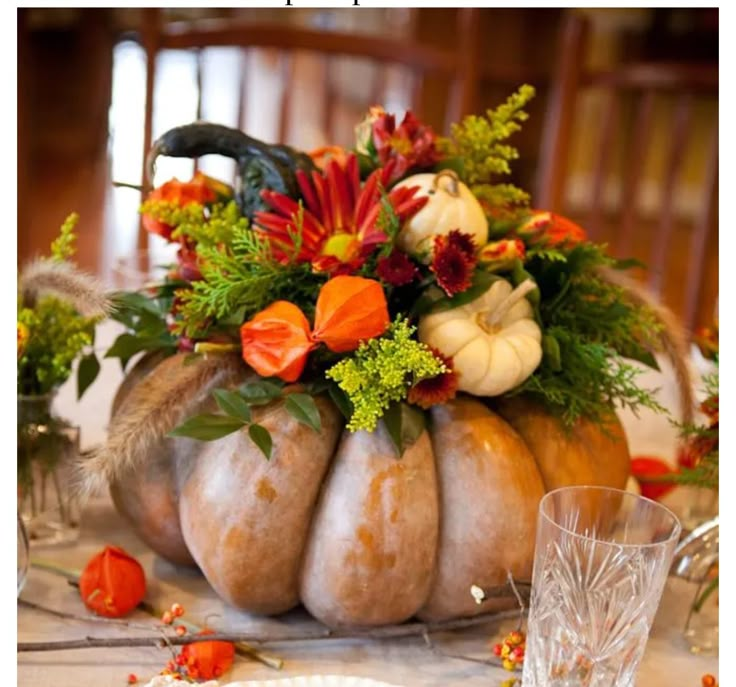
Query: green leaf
pixel 303 408
pixel 481 282
pixel 89 368
pixel 232 404
pixel 404 424
pixel 260 392
pixel 261 437
pixel 136 302
pixel 551 350
pixel 341 400
pixel 207 427
pixel 127 345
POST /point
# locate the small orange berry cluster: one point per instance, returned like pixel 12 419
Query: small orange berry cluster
pixel 511 650
pixel 176 611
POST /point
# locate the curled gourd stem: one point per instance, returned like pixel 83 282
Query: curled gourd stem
pixel 495 317
pixel 453 189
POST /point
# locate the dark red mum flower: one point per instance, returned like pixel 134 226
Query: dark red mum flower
pixel 452 267
pixel 465 243
pixel 434 390
pixel 397 269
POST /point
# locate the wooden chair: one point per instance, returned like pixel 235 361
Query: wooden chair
pixel 683 261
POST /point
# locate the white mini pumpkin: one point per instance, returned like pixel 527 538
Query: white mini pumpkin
pixel 494 341
pixel 451 206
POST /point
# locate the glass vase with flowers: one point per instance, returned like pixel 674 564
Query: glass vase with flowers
pixel 58 307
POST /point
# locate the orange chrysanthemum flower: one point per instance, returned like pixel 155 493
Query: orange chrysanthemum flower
pixel 551 229
pixel 201 189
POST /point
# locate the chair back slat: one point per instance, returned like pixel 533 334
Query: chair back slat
pixel 704 224
pixel 633 172
pixel 286 69
pixel 603 165
pixel 662 238
pixel 557 134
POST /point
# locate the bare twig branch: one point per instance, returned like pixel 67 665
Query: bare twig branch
pixel 388 632
pixel 493 661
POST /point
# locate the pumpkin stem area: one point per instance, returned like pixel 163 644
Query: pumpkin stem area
pixel 453 187
pixel 493 319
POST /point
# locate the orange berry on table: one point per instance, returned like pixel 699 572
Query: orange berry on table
pixel 167 618
pixel 497 649
pixel 180 630
pixel 515 637
pixel 177 610
pixel 132 679
pixel 709 681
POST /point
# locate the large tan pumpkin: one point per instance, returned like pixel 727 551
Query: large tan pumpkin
pixel 336 520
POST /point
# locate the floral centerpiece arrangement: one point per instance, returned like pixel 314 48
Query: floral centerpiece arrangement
pixel 58 307
pixel 365 369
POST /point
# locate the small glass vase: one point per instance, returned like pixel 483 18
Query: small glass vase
pixel 48 448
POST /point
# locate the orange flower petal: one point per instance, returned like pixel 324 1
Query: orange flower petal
pixel 112 583
pixel 276 341
pixel 350 310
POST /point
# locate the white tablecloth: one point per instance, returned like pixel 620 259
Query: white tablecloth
pixel 406 662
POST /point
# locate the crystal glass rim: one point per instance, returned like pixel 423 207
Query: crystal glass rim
pixel 674 534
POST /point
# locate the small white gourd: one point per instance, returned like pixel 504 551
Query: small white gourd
pixel 494 341
pixel 451 206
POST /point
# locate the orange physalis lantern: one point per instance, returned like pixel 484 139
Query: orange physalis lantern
pixel 112 583
pixel 207 660
pixel 276 341
pixel 350 310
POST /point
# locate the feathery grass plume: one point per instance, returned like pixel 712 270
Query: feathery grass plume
pixel 672 336
pixel 63 280
pixel 177 388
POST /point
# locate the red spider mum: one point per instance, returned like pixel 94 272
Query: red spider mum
pixel 463 242
pixel 396 269
pixel 411 144
pixel 434 390
pixel 452 266
pixel 340 221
